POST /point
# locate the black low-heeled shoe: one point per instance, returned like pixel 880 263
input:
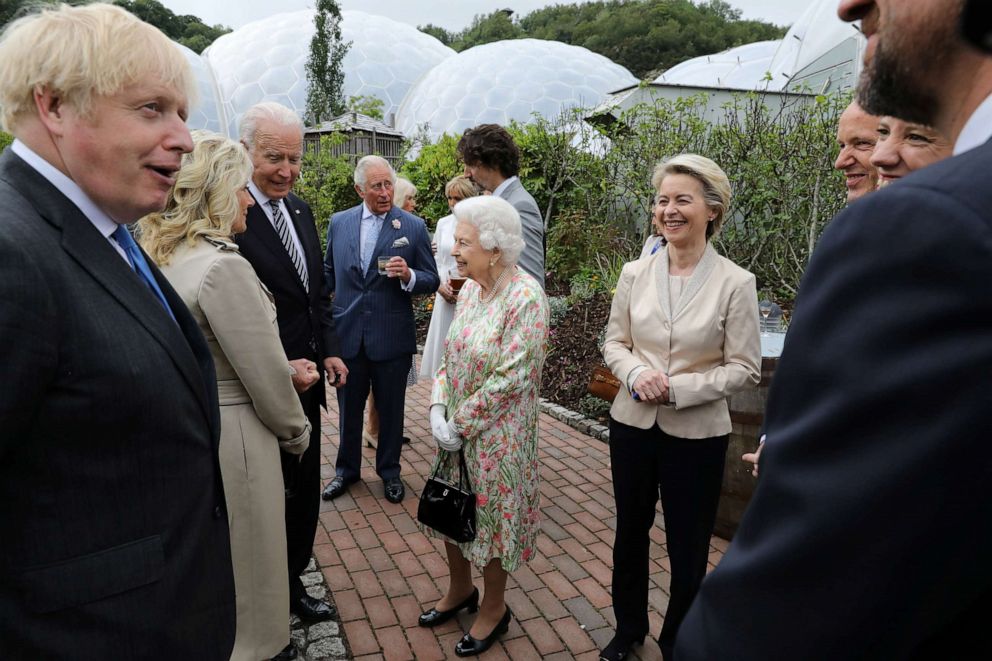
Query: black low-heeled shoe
pixel 434 617
pixel 619 648
pixel 469 646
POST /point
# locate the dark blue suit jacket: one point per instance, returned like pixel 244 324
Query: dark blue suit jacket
pixel 870 532
pixel 370 309
pixel 113 528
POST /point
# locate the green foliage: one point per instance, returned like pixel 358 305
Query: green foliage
pixel 646 36
pixel 326 182
pixel 325 75
pixel 5 140
pixel 188 30
pixel 366 105
pixel 434 166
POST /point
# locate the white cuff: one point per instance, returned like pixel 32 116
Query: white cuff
pixel 409 285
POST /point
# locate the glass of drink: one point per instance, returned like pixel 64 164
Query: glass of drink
pixel 456 280
pixel 765 309
pixel 382 260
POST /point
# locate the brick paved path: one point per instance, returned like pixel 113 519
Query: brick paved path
pixel 384 572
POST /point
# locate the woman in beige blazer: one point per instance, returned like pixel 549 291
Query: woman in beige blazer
pixel 683 336
pixel 260 411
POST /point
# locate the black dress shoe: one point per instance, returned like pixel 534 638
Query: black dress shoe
pixel 312 610
pixel 394 489
pixel 619 648
pixel 337 487
pixel 287 653
pixel 469 646
pixel 434 617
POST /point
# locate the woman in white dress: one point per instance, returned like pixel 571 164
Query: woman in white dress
pixel 456 190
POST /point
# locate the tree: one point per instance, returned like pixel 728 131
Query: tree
pixel 438 33
pixel 325 74
pixel 366 105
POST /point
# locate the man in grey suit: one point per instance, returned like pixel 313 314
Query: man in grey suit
pixel 373 313
pixel 492 160
pixel 113 520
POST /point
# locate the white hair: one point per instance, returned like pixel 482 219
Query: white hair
pixel 267 110
pixel 363 165
pixel 498 224
pixel 404 188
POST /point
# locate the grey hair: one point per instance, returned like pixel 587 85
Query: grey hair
pixel 363 165
pixel 498 224
pixel 267 110
pixel 404 188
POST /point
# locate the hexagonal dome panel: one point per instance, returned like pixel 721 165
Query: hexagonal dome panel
pixel 265 61
pixel 206 111
pixel 523 75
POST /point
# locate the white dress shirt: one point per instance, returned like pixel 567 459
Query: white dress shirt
pixel 103 223
pixel 263 201
pixel 977 130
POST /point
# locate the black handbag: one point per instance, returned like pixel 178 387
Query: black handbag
pixel 449 508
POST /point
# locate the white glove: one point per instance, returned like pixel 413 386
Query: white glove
pixel 441 430
pixel 454 443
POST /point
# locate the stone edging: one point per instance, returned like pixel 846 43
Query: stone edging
pixel 576 421
pixel 321 640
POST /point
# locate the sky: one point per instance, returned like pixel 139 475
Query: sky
pixel 450 14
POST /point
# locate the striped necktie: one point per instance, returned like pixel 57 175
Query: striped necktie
pixel 139 265
pixel 282 229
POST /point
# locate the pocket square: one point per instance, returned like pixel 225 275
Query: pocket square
pixel 401 242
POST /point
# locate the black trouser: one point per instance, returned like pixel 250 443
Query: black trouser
pixel 302 480
pixel 387 380
pixel 687 473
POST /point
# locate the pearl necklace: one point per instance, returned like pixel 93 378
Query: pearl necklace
pixel 485 298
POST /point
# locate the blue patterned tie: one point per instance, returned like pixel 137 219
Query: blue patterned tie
pixel 371 238
pixel 139 265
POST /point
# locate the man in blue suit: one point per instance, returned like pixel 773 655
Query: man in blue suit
pixel 374 317
pixel 870 531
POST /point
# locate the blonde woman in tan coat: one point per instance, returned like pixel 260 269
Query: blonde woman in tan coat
pixel 260 411
pixel 682 336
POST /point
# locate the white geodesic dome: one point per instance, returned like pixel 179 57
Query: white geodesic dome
pixel 508 80
pixel 743 67
pixel 207 111
pixel 812 38
pixel 265 61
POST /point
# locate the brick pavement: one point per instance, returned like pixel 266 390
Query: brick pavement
pixel 384 572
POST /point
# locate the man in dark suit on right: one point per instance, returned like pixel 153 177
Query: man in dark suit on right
pixel 282 244
pixel 870 532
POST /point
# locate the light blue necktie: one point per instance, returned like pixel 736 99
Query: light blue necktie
pixel 371 237
pixel 139 265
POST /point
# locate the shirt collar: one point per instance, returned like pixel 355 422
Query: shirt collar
pixel 977 130
pixel 503 186
pixel 103 223
pixel 367 213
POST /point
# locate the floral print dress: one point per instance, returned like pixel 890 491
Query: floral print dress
pixel 489 379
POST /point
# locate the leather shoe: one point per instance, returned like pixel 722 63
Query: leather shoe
pixel 337 487
pixel 619 648
pixel 469 646
pixel 287 653
pixel 312 610
pixel 434 617
pixel 394 489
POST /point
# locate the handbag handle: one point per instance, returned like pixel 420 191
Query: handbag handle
pixel 463 483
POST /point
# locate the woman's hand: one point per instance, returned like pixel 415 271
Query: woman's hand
pixel 304 374
pixel 447 293
pixel 651 387
pixel 434 247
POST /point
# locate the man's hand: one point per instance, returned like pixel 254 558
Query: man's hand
pixel 304 373
pixel 396 268
pixel 337 371
pixel 651 387
pixel 753 457
pixel 447 293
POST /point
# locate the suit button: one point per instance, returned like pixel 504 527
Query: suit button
pixel 218 512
